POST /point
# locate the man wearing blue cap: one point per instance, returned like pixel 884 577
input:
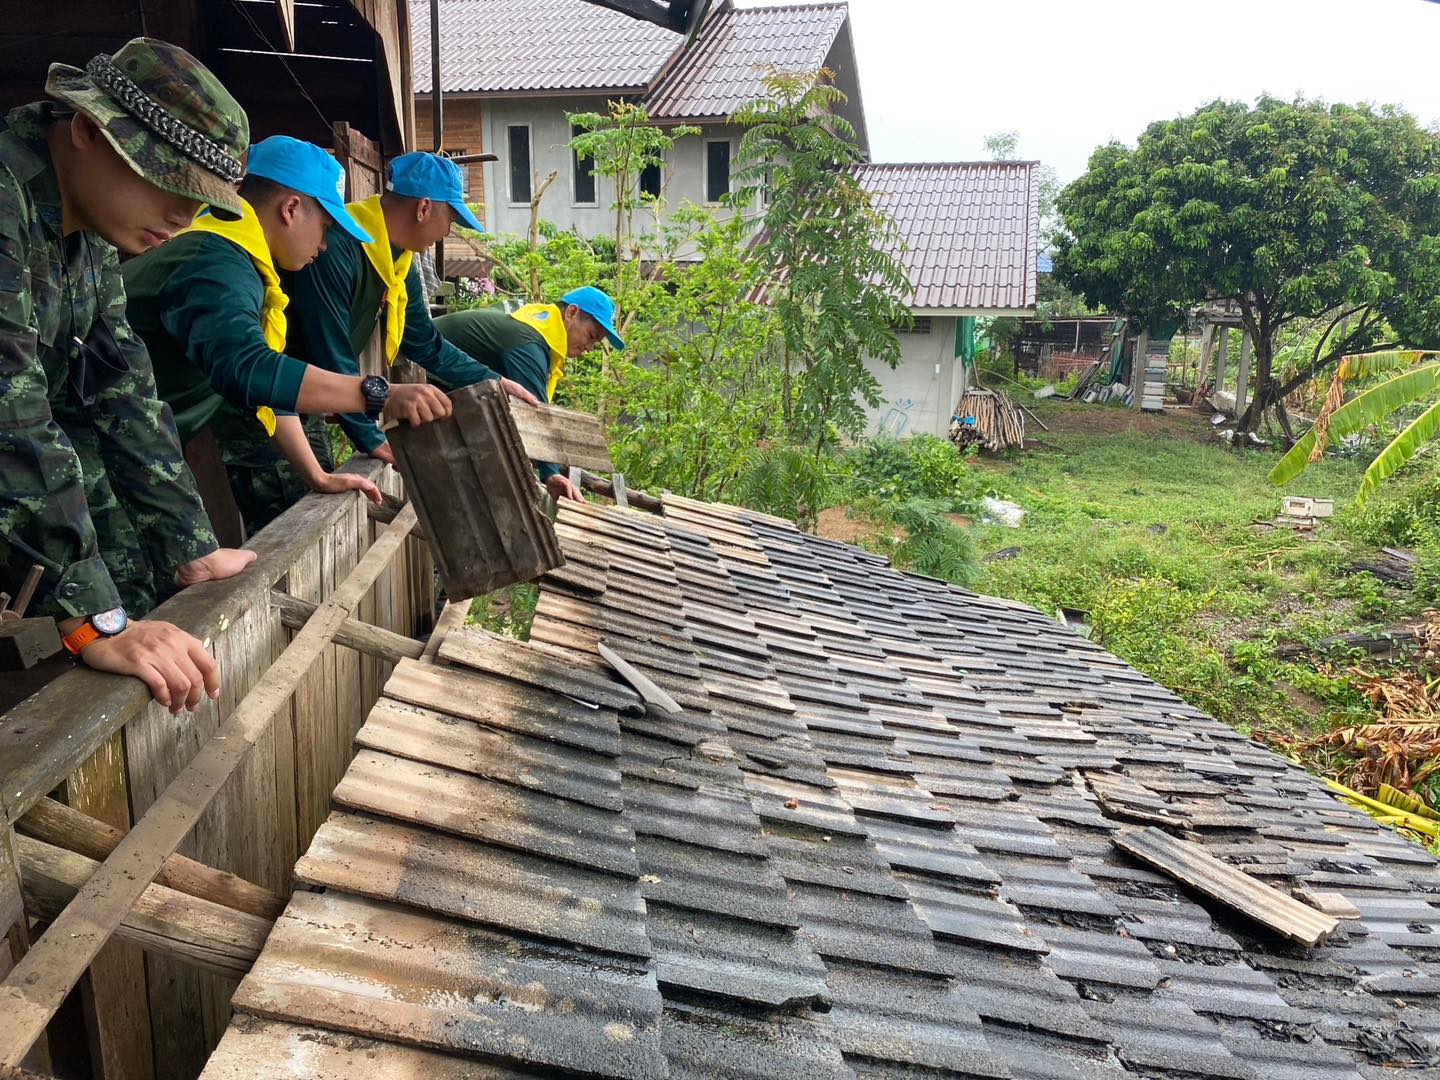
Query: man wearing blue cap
pixel 531 345
pixel 210 306
pixel 356 288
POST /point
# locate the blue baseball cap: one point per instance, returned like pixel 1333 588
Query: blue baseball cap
pixel 419 175
pixel 599 307
pixel 304 167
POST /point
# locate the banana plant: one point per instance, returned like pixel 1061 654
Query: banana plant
pixel 1417 376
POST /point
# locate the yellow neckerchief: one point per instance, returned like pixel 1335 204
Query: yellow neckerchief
pixel 246 234
pixel 547 321
pixel 392 271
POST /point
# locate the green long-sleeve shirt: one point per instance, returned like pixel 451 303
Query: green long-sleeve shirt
pixel 335 304
pixel 98 494
pixel 198 303
pixel 513 349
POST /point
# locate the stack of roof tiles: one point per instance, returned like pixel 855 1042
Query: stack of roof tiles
pixel 867 846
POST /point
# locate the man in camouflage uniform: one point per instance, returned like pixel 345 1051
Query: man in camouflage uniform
pixel 93 484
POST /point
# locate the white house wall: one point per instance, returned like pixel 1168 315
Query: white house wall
pixel 684 174
pixel 920 394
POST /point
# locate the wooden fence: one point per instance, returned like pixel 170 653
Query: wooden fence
pixel 98 744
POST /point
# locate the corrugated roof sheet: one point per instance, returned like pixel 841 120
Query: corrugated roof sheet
pixel 969 230
pixel 846 857
pixel 726 66
pixel 520 46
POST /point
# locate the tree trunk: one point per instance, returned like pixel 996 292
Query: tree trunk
pixel 1264 382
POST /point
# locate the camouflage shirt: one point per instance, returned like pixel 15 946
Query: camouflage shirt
pixel 99 495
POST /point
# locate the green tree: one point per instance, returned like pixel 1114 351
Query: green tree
pixel 1293 210
pixel 826 254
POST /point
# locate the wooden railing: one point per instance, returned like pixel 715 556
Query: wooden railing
pixel 246 803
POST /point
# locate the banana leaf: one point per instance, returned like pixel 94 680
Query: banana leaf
pixel 1403 800
pixel 1363 365
pixel 1384 812
pixel 1364 409
pixel 1401 449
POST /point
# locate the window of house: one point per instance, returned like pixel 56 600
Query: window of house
pixel 583 172
pixel 767 186
pixel 519 145
pixel 455 151
pixel 717 170
pixel 919 325
pixel 650 180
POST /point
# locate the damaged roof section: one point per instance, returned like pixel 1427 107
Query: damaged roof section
pixel 886 835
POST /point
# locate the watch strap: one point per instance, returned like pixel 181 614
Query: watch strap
pixel 85 634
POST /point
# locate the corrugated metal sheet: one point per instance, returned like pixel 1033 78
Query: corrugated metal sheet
pixel 727 65
pixel 969 230
pixel 518 46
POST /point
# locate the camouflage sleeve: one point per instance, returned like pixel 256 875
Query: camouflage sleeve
pixel 141 450
pixel 43 514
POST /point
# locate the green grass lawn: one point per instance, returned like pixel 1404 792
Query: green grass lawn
pixel 1151 532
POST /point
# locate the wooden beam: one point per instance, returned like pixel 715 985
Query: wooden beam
pixel 1190 864
pixel 37 987
pixel 1242 376
pixel 353 634
pixel 208 935
pixel 68 828
pixel 642 683
pixel 638 499
pixel 452 618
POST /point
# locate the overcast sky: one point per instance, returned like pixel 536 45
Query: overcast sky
pixel 1068 75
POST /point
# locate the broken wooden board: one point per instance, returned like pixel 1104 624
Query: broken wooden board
pixel 392 973
pixel 476 495
pixel 562 437
pixel 1192 865
pixel 1124 797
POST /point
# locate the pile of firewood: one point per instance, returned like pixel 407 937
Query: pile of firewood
pixel 987 418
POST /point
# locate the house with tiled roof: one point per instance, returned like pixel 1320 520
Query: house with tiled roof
pixel 512 70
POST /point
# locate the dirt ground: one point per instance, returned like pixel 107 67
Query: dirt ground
pixel 1075 418
pixel 836 524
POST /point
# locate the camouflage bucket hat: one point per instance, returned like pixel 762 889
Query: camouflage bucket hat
pixel 166 114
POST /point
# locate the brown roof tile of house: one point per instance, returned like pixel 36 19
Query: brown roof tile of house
pixel 727 66
pixel 528 46
pixel 970 230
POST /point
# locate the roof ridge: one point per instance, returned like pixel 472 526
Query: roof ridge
pixel 931 164
pixel 832 4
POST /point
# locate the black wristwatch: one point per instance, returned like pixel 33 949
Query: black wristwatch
pixel 377 393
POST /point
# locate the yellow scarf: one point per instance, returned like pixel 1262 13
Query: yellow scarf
pixel 547 321
pixel 247 235
pixel 392 271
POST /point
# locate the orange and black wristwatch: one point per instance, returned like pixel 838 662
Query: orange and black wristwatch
pixel 106 624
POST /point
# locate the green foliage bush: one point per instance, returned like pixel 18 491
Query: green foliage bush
pixel 922 466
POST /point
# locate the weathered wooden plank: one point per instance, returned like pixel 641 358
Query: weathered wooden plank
pixel 638 680
pixel 371 641
pixel 1192 865
pixel 475 493
pixel 38 985
pixel 542 668
pixel 117 1017
pixel 65 827
pixel 501 704
pixel 12 904
pixel 562 436
pixel 201 933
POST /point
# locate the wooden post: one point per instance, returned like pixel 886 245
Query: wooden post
pixel 617 482
pixel 117 1014
pixel 1242 377
pixel 1222 355
pixel 1207 340
pixel 1137 369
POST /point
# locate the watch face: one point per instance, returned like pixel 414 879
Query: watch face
pixel 110 622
